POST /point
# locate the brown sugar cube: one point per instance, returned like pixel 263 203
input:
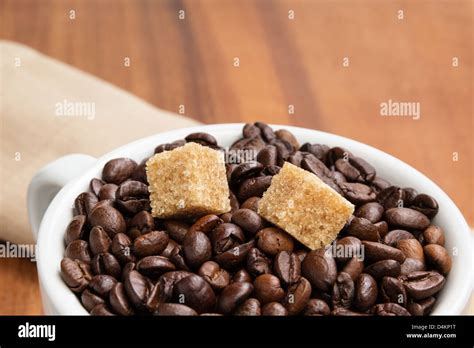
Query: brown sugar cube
pixel 188 181
pixel 305 207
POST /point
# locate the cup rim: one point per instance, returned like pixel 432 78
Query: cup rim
pixel 60 297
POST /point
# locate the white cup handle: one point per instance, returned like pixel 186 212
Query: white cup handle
pixel 49 180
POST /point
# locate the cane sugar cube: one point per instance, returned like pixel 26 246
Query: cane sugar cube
pixel 305 207
pixel 188 181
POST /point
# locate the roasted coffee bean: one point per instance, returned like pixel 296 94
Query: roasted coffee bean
pixel 254 144
pixel 383 268
pixel 130 266
pixel 75 229
pixel 154 266
pixel 438 258
pixel 107 191
pixel 234 257
pixel 121 248
pixel 253 187
pixel 197 248
pixel 258 263
pixel 251 203
pixel 394 236
pixel 109 218
pixel 382 228
pixel 101 310
pixel 312 164
pixel 141 223
pixel 266 131
pixel 241 276
pixel 169 147
pixel 206 224
pixel 426 205
pixel 296 158
pixel 175 309
pixel 343 291
pixel 422 307
pixel 216 276
pixel 407 218
pixel 301 253
pixel 267 288
pixel 287 267
pixel 99 241
pixel 411 248
pixel 434 235
pixel 245 170
pixel 177 257
pixel 226 236
pixel 84 203
pixel 289 137
pixel 316 307
pixel 363 229
pixel 319 267
pixel 154 298
pixel 118 170
pixel 195 292
pixel 338 177
pixel 251 131
pixel 139 174
pixel 354 267
pixel 106 263
pixel 169 249
pixel 274 309
pixel 272 240
pixel 284 150
pixel 365 169
pixel 391 197
pixel 318 150
pixel 176 229
pixel 248 220
pixel 132 197
pixel 392 290
pixel 167 282
pixel 297 296
pixel 137 289
pixel 380 183
pixel 420 285
pixel 346 248
pixel 234 202
pixel 350 172
pixel 357 193
pixel 390 309
pixel 365 293
pixel 118 300
pixel 268 156
pixel 101 284
pixel 233 295
pixel 152 243
pixel 95 186
pixel 344 312
pixel 78 250
pixel 76 274
pixel 250 307
pixel 411 265
pixel 201 138
pixel 226 217
pixel 377 251
pixel 372 211
pixel 90 300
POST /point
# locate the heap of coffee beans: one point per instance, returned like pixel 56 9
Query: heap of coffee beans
pixel 120 260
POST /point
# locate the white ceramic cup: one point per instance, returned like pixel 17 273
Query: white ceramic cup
pixel 53 189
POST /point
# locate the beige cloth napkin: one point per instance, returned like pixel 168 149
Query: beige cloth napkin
pixel 37 94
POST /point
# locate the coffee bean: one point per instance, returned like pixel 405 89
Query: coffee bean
pixel 201 138
pixel 438 257
pixel 296 158
pixel 90 300
pixel 380 269
pixel 267 288
pixel 301 253
pixel 107 191
pixel 422 307
pixel 241 276
pixel 274 309
pixel 394 236
pixel 78 250
pixel 176 229
pixel 84 203
pixel 99 241
pixel 216 276
pixel 253 187
pixel 206 224
pixel 251 203
pixel 407 218
pixel 195 292
pixel 351 246
pixel 141 223
pixel 226 236
pixel 289 137
pixel 101 309
pixel 434 235
pixel 250 307
pixel 109 218
pixel 380 183
pixel 137 289
pixel 390 309
pixel 372 211
pixel 233 296
pixel 118 300
pixel 175 309
pixel 234 257
pixel 392 290
pixel 411 248
pixel 266 131
pixel 251 131
pixel 363 229
pixel 365 169
pixel 349 172
pixel 357 193
pixel 152 243
pixel 344 312
pixel 391 197
pixel 76 274
pixel 343 291
pixel 248 220
pixel 272 240
pixel 319 267
pixel 95 186
pixel 169 249
pixel 102 284
pixel 354 267
pixel 130 266
pixel 411 265
pixel 378 251
pixel 365 293
pixel 318 150
pixel 177 257
pixel 420 285
pixel 426 205
pixel 316 307
pixel 287 267
pixel 297 296
pixel 170 146
pixel 167 282
pixel 75 229
pixel 154 266
pixel 139 174
pixel 106 263
pixel 121 249
pixel 197 248
pixel 245 170
pixel 268 156
pixel 118 170
pixel 258 263
pixel 234 202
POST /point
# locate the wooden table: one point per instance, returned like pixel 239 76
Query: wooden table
pixel 275 61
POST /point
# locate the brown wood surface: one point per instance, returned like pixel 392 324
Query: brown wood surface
pixel 283 62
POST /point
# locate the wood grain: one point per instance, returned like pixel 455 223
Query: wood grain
pixel 283 62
